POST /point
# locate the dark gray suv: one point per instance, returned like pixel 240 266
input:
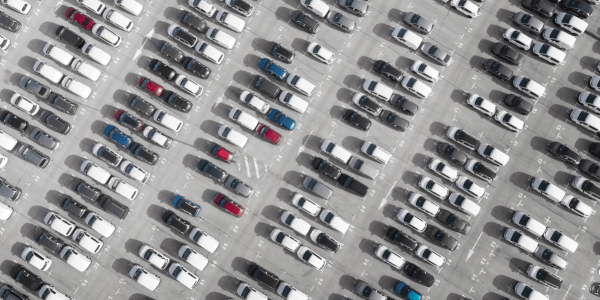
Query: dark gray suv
pixel 7 190
pixel 33 156
pixel 113 207
pixel 419 23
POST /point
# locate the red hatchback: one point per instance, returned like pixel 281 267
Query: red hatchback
pixel 229 205
pixel 269 134
pixel 76 16
pixel 221 153
pixel 152 86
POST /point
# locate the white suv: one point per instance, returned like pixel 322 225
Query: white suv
pixel 427 206
pixel 522 241
pixel 433 187
pixel 300 226
pixel 390 257
pixel 465 205
pixel 526 222
pixel 443 170
pixel 59 223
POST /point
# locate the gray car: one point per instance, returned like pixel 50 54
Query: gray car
pixel 9 191
pixel 239 187
pixel 367 292
pixel 35 87
pixel 356 7
pixel 341 21
pixel 419 23
pixel 54 122
pixel 43 139
pixel 394 120
pixel 317 187
pixel 33 156
pixel 528 22
pixel 437 54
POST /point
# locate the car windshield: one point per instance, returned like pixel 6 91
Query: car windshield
pixel 329 217
pixel 430 184
pixel 590 98
pixel 372 85
pixel 245 292
pixel 316 49
pixel 478 101
pixel 426 253
pixel 420 201
pixel 386 254
pixel 295 79
pixel 415 19
pixel 573 203
pixel 582 116
pixel 422 67
pixel 391 117
pixel 524 220
pixel 367 291
pixel 544 48
pixel 408 218
pixel 352 117
pixel 488 150
pixel 526 292
pixel 506 118
pixel 566 19
pixel 307 255
pixel 432 50
pixel 148 254
pixel 401 33
pixel 286 291
pixel 439 236
pixel 555 236
pixel 459 200
pixel 547 254
pixel 371 149
pixel 524 82
pixel 515 237
pixel 468 184
pixel 449 150
pixel 515 35
pixel 440 167
pixel 525 19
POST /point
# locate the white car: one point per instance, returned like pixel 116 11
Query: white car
pixel 99 224
pixel 232 136
pixel 203 6
pixel 528 223
pixel 549 53
pixel 576 206
pixel 248 292
pixel 548 189
pixel 123 188
pixel 318 7
pixel 106 35
pixel 559 38
pixel 47 71
pixel 60 55
pixel 589 100
pixel 416 87
pixel 301 85
pixel 86 69
pixel 289 292
pixel 48 292
pixel 74 258
pixel 586 120
pixel 118 19
pixel 188 85
pixel 443 170
pixel 4 42
pixel 294 102
pixel 243 118
pixel 427 72
pixel 560 240
pixel 310 258
pixel 18 5
pixel 377 89
pixel 76 87
pixel 167 120
pixel 284 240
pixel 87 241
pixel 427 206
pixel 509 121
pixel 59 223
pixel 465 205
pixel 305 204
pixel 255 102
pixel 134 172
pixel 93 5
pixel 154 257
pixel 595 83
pixel 36 258
pixel 192 257
pixel 571 23
pixel 95 53
pixel 466 7
pixel 320 53
pixel 529 87
pixel 517 38
pixel 220 38
pixel 429 256
pixel 209 52
pixel 183 275
pixel 407 37
pixel 407 218
pixel 334 221
pixel 366 103
pixel 492 154
pixel 131 6
pixel 485 106
pixel 375 152
pixel 298 225
pixel 433 187
pixel 528 292
pixel 95 172
pixel 471 188
pixel 183 36
pixel 230 21
pixel 24 104
pixel 203 239
pixel 145 278
pixel 390 257
pixel 522 241
pixel 157 137
pixel 550 257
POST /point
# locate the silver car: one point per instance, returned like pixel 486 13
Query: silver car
pixel 239 187
pixel 367 292
pixel 528 22
pixel 356 7
pixel 419 23
pixel 341 21
pixel 317 187
pixel 44 139
pixel 439 55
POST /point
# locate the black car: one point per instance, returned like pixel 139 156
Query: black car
pixel 303 20
pixel 263 276
pixel 34 156
pixel 281 53
pixel 49 241
pixel 171 51
pixel 482 171
pixel 177 102
pixel 507 53
pixel 266 86
pixel 62 104
pixel 142 106
pixel 453 221
pixel 404 105
pixel 241 6
pixel 590 168
pixel 540 7
pixel 35 87
pixel 395 121
pixel 415 273
pixel 70 37
pixel 9 191
pixel 13 121
pixel 113 206
pixel 441 238
pixel 193 21
pixel 594 149
pixel 68 204
pixel 85 190
pixel 497 69
pixel 144 154
pixel 547 278
pixel 211 170
pixel 9 23
pixel 356 119
pixel 400 238
pixel 519 104
pixel 26 278
pixel 353 185
pixel 196 67
pixel 452 153
pixel 387 70
pixel 162 69
pixel 55 123
pixel 174 221
pixel 564 153
pixel 108 155
pixel 326 168
pixel 577 7
pixel 325 241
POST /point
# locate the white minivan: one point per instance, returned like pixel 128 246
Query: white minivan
pixel 192 257
pixel 87 70
pixel 118 19
pixel 243 118
pixel 143 277
pixel 123 188
pixel 220 38
pixel 93 5
pixel 336 151
pixel 167 120
pixel 100 225
pixel 131 6
pixel 48 72
pixel 76 87
pixel 74 258
pixel 375 152
pixel 98 55
pixel 232 136
pixel 95 172
pixel 209 52
pixel 58 54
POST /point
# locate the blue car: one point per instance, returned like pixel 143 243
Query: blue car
pixel 272 68
pixel 186 206
pixel 281 119
pixel 118 136
pixel 406 291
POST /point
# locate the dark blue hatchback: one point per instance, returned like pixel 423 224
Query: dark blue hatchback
pixel 118 136
pixel 272 68
pixel 281 119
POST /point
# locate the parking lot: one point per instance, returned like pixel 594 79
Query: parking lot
pixel 485 266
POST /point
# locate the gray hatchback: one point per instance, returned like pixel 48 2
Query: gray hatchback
pixel 528 22
pixel 43 139
pixel 344 23
pixel 7 190
pixel 239 187
pixel 356 7
pixel 317 187
pixel 419 23
pixel 34 156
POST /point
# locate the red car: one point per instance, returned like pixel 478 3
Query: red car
pixel 76 16
pixel 269 134
pixel 129 120
pixel 152 86
pixel 221 153
pixel 229 205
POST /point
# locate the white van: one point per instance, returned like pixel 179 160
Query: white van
pixel 465 205
pixel 106 35
pixel 298 225
pixel 375 152
pixel 143 277
pixel 167 120
pixel 74 258
pixel 93 5
pixel 377 89
pixel 243 118
pixel 192 257
pixel 294 102
pixel 7 141
pixel 60 55
pixel 95 172
pixel 284 240
pixel 336 151
pixel 254 101
pixel 334 221
pixel 247 292
pixel 220 38
pixel 230 21
pixel 47 71
pixel 204 240
pixel 5 211
pixel 131 6
pixel 209 52
pixel 407 37
pixel 492 154
pixel 87 70
pixel 98 55
pixel 123 188
pixel 76 87
pixel 232 136
pixel 118 19
pixel 100 225
pixel 48 292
